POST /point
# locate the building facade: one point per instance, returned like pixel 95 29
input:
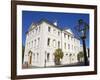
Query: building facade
pixel 43 38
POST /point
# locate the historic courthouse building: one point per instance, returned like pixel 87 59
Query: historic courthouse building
pixel 43 38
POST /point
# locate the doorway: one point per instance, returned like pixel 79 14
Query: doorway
pixel 30 57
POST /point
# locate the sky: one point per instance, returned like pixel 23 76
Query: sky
pixel 64 20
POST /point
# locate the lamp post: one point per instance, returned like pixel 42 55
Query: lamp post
pixel 82 29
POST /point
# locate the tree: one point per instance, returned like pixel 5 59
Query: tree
pixel 58 55
pixel 80 56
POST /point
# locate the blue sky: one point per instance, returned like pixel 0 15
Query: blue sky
pixel 64 20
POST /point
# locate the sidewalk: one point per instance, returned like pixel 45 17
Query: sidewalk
pixel 67 65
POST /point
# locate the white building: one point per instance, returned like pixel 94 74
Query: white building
pixel 43 38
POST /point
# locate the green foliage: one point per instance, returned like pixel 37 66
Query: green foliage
pixel 80 56
pixel 58 54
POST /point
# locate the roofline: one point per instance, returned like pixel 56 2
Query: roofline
pixel 45 20
pixel 68 32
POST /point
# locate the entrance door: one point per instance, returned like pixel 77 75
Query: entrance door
pixel 30 57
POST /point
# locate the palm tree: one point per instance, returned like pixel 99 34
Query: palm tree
pixel 58 55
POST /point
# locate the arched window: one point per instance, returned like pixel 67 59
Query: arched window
pixel 37 57
pixel 68 36
pixel 65 45
pixel 66 54
pixel 54 31
pixel 49 29
pixel 68 46
pixel 70 55
pixel 64 35
pixel 58 44
pixel 39 28
pixel 54 43
pixel 48 42
pixel 32 44
pixel 48 56
pixel 72 47
pixel 38 41
pixel 35 43
pixel 30 57
pixel 58 33
pixel 36 30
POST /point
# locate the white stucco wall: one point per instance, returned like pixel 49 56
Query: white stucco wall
pixel 41 49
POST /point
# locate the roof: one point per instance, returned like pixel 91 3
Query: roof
pixel 31 26
pixel 50 23
pixel 43 20
pixel 66 29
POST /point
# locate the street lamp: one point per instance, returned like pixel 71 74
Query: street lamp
pixel 82 29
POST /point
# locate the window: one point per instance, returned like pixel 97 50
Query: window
pixel 34 42
pixel 68 46
pixel 36 30
pixel 48 42
pixel 37 57
pixel 58 33
pixel 49 29
pixel 68 36
pixel 65 45
pixel 39 28
pixel 72 47
pixel 64 35
pixel 48 56
pixel 66 54
pixel 54 43
pixel 58 44
pixel 38 41
pixel 54 31
pixel 70 55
